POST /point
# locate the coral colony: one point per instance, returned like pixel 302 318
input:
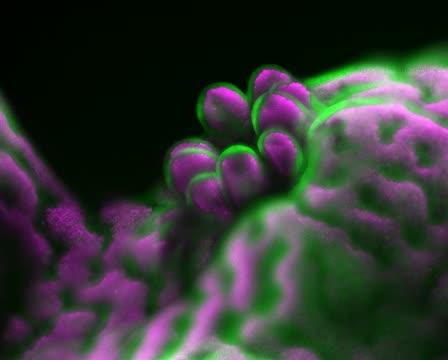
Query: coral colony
pixel 309 221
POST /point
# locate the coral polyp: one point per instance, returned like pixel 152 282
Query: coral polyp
pixel 308 221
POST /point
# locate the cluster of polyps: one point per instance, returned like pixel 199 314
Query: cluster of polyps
pixel 251 141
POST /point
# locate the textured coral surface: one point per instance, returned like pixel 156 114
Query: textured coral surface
pixel 309 221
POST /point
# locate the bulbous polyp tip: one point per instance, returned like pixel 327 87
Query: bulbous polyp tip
pixel 242 174
pixel 206 194
pixel 197 144
pixel 281 151
pixel 277 111
pixel 296 90
pixel 224 110
pixel 267 78
pixel 186 164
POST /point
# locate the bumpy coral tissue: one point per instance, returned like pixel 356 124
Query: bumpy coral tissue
pixel 310 221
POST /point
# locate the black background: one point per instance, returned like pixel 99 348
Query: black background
pixel 102 94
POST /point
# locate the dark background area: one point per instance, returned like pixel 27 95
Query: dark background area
pixel 103 94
